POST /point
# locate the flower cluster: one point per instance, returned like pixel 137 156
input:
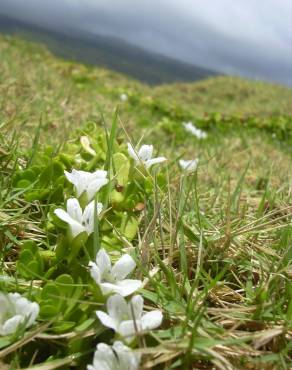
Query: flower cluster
pixel 126 318
pixel 16 311
pixel 189 165
pixel 77 219
pixel 116 357
pixel 86 182
pixel 124 311
pixel 112 279
pixel 124 97
pixel 189 126
pixel 144 155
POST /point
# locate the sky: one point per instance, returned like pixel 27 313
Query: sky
pixel 251 38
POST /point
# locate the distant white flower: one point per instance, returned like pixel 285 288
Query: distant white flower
pixel 200 134
pixel 111 279
pixel 189 165
pixel 123 97
pixel 16 310
pixel 144 155
pixel 128 318
pixel 87 182
pixel 77 220
pixel 117 357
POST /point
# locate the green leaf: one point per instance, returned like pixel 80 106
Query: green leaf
pixel 65 285
pixel 30 245
pixel 62 248
pixel 46 176
pixel 116 197
pixel 34 269
pixel 63 326
pixel 76 245
pixel 57 195
pixel 131 228
pixel 49 310
pixel 26 256
pixel 50 291
pixel 57 169
pixel 23 184
pixel 122 168
pixel 4 342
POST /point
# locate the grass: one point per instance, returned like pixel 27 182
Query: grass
pixel 229 95
pixel 213 248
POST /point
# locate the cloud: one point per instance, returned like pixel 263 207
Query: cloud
pixel 246 37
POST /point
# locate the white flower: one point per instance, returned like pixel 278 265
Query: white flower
pixel 127 318
pixel 194 130
pixel 144 155
pixel 16 310
pixel 87 182
pixel 112 279
pixel 189 165
pixel 123 97
pixel 77 220
pixel 117 357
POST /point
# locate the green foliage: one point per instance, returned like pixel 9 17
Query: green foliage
pixel 212 247
pixel 43 181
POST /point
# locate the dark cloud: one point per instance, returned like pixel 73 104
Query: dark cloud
pixel 246 37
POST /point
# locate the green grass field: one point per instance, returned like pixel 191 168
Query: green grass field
pixel 212 247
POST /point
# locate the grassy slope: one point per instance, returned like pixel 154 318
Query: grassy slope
pixel 229 95
pixel 243 319
pixel 64 94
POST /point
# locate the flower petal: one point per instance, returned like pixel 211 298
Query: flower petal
pixel 108 288
pixel 128 286
pixel 103 262
pixel 94 187
pixel 124 288
pixel 127 329
pixel 104 358
pixel 106 320
pixel 11 325
pixel 123 267
pixel 145 152
pixel 153 161
pixel 75 227
pixel 189 165
pixel 70 177
pixel 64 216
pixel 151 320
pixel 29 310
pixel 32 314
pixel 99 174
pixel 5 305
pixel 132 153
pixel 117 308
pixel 74 210
pixel 128 359
pixel 135 307
pixel 75 178
pixel 88 216
pixel 95 272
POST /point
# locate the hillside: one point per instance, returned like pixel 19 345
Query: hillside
pixel 171 256
pixel 229 95
pixel 28 89
pixel 110 52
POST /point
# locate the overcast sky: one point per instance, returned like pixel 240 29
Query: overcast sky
pixel 245 37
